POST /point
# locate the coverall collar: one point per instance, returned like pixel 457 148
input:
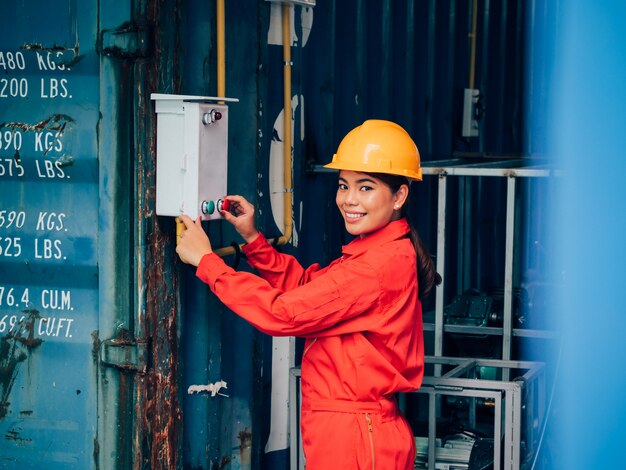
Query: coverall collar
pixel 390 232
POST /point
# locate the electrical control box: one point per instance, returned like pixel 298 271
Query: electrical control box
pixel 192 154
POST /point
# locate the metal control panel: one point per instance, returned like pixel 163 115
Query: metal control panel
pixel 192 154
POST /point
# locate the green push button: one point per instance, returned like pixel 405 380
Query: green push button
pixel 208 207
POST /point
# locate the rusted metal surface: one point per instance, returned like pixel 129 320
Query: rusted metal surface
pixel 70 62
pixel 95 348
pixel 245 446
pixel 157 437
pixel 56 122
pixel 160 397
pixel 15 348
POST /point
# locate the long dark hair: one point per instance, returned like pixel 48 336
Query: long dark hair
pixel 427 275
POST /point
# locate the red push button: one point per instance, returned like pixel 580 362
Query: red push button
pixel 223 205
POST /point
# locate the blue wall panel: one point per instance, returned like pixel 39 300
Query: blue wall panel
pixel 586 118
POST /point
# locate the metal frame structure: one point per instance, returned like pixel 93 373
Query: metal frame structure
pixel 296 454
pixel 512 398
pixel 511 170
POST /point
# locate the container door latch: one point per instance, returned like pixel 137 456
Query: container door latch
pixel 129 355
pixel 129 41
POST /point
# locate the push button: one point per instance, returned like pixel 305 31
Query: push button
pixel 207 207
pixel 223 205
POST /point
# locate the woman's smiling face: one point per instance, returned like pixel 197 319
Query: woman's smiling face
pixel 366 202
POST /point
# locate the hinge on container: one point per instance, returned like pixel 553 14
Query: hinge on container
pixel 131 355
pixel 129 41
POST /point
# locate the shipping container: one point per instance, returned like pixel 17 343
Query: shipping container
pixel 114 355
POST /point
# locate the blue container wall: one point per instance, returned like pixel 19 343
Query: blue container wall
pixel 73 257
pixel 49 102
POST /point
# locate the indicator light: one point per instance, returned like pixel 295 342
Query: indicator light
pixel 211 116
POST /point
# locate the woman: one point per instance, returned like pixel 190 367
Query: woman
pixel 361 316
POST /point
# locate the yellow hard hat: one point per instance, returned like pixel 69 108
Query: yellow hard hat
pixel 378 146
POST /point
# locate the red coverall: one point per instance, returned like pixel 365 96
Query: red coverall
pixel 362 321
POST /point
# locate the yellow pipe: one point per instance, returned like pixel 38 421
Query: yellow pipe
pixel 287 167
pixel 221 49
pixel 180 228
pixel 473 43
pixel 288 195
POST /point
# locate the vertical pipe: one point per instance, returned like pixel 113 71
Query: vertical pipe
pixel 386 66
pixel 460 217
pixel 497 433
pixel 509 426
pixel 519 92
pixel 300 445
pixel 441 250
pixel 530 409
pixel 221 49
pixel 484 85
pixel 361 82
pixel 480 190
pixel 472 36
pixel 432 428
pixel 516 424
pixel 287 178
pixel 503 102
pixel 430 68
pixel 529 82
pixel 294 450
pixel 466 229
pixel 409 67
pixel 508 271
pixel 451 65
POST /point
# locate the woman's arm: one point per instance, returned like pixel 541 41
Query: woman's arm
pixel 340 296
pixel 280 270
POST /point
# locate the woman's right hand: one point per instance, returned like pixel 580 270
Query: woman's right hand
pixel 241 215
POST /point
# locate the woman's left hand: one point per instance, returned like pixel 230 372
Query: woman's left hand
pixel 194 242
